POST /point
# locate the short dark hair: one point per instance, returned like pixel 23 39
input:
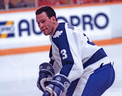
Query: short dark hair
pixel 49 11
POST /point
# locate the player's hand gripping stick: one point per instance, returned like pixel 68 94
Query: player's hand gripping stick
pixel 57 87
pixel 46 73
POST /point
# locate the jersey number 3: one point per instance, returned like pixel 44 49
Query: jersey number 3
pixel 64 54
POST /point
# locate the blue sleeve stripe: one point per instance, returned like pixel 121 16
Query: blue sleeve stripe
pixel 66 69
pixel 62 43
pixel 95 57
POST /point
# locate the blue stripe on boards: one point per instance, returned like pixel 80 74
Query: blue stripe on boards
pixel 10 35
pixel 2 23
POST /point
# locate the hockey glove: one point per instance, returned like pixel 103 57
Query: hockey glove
pixel 57 87
pixel 46 73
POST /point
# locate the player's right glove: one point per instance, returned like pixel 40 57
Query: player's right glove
pixel 46 74
pixel 58 86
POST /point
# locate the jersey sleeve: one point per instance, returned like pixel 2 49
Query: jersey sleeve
pixel 69 51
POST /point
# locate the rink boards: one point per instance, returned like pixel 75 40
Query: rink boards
pixel 23 46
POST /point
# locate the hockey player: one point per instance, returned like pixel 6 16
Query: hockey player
pixel 77 66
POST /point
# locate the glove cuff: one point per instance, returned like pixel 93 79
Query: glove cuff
pixel 46 74
pixel 61 81
pixel 46 68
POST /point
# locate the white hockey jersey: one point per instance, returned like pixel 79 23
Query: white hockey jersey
pixel 73 52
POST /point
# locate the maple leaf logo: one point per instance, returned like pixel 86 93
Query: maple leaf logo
pixel 57 34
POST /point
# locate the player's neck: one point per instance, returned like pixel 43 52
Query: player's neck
pixel 56 25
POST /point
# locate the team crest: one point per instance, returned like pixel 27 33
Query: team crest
pixel 57 34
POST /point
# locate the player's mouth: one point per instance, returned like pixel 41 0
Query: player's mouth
pixel 43 30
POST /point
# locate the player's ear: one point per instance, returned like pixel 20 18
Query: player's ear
pixel 53 18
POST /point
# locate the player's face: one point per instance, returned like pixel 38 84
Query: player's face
pixel 45 23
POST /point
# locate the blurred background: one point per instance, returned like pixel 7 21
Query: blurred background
pixel 23 47
pixel 15 4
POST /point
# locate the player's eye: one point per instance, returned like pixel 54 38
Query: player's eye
pixel 37 22
pixel 43 21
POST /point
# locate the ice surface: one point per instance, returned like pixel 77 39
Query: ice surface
pixel 19 73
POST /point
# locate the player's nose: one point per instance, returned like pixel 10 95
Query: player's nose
pixel 40 25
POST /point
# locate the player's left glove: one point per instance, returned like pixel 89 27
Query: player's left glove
pixel 46 73
pixel 58 86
